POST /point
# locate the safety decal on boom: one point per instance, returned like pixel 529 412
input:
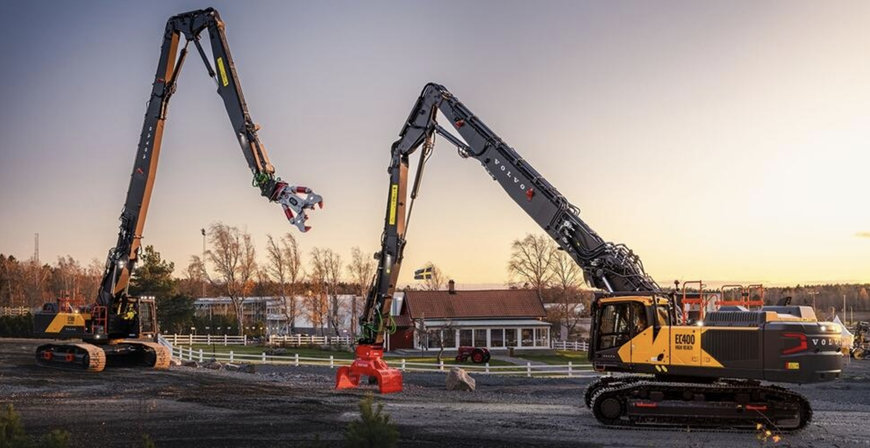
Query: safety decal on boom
pixel 223 72
pixel 394 196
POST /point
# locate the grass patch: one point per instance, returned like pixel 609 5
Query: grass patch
pixel 560 358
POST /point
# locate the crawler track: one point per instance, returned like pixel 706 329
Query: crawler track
pixel 722 404
pixel 82 356
pixel 72 356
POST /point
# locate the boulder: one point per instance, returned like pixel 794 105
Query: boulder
pixel 459 379
pixel 175 362
pixel 244 368
pixel 213 365
pixel 193 364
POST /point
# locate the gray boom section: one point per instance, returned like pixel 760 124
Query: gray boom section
pixel 123 257
pixel 607 266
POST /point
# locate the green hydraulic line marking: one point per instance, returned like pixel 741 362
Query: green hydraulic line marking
pixel 259 179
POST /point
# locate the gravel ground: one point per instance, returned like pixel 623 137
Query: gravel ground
pixel 291 406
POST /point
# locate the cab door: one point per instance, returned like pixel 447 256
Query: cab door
pixel 611 334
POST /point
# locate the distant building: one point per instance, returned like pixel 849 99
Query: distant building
pixel 271 311
pixel 496 319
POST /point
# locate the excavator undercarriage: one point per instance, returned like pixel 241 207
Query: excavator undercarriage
pixel 658 401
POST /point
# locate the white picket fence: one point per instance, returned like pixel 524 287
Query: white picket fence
pixel 575 346
pixel 529 370
pixel 300 340
pixel 14 311
pixel 191 339
pixel 293 341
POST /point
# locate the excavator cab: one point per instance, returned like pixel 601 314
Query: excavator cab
pixel 619 319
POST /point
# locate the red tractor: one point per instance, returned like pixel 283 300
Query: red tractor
pixel 478 355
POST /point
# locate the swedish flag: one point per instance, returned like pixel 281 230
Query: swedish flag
pixel 423 274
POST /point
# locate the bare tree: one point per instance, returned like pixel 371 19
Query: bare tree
pixel 35 278
pixel 436 279
pixel 233 257
pixel 333 277
pixel 361 270
pixel 567 296
pixel 317 301
pixel 532 260
pixel 285 266
pixel 435 336
pixel 193 283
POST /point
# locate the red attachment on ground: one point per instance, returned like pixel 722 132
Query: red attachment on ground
pixel 70 357
pixel 369 362
pixel 46 355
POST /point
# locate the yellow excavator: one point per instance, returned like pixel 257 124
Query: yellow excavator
pixel 119 328
pixel 708 374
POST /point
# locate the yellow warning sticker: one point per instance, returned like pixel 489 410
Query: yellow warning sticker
pixel 394 196
pixel 792 365
pixel 224 80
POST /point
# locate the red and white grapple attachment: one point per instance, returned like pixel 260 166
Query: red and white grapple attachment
pixel 295 199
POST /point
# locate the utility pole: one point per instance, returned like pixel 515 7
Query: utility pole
pixel 203 259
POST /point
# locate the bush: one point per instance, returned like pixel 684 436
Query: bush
pixel 16 326
pixel 12 434
pixel 373 429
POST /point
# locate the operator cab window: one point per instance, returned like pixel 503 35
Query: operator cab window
pixel 614 326
pixel 620 322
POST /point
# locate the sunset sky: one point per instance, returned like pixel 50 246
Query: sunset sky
pixel 724 141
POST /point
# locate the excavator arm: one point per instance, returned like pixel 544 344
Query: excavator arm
pixel 295 200
pixel 607 266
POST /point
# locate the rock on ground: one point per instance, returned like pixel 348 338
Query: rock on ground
pixel 459 379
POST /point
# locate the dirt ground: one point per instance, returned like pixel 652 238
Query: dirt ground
pixel 291 406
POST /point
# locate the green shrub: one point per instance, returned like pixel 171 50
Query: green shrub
pixel 12 434
pixel 16 326
pixel 373 429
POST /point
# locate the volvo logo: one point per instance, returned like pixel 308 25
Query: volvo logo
pixel 825 342
pixel 507 172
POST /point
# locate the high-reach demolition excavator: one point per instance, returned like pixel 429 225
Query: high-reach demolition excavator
pixel 701 375
pixel 120 328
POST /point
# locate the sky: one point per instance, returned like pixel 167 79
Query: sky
pixel 721 141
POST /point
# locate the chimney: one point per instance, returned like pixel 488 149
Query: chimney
pixel 451 287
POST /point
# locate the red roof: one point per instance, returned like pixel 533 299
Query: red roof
pixel 485 304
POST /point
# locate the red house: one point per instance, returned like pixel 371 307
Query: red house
pixel 493 318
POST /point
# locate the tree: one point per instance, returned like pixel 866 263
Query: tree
pixel 532 261
pixel 175 314
pixel 317 301
pixel 438 336
pixel 326 268
pixel 361 270
pixel 566 294
pixel 234 259
pixel 65 276
pixel 285 267
pixel 374 427
pixel 153 277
